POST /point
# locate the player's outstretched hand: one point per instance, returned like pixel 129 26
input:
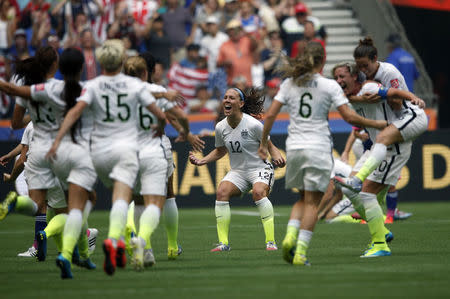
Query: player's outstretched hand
pixel 419 102
pixel 278 160
pixel 371 97
pixel 197 143
pixel 4 160
pixel 175 96
pixel 194 160
pixel 51 154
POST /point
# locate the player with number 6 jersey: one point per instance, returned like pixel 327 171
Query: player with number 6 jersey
pixel 239 135
pixel 309 97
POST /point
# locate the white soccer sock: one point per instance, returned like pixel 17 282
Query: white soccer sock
pixel 378 152
pixel 148 223
pixel 87 210
pixel 117 219
pixel 294 223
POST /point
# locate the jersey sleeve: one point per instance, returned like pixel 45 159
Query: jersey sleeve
pixel 145 97
pixel 87 94
pixel 218 136
pixel 40 92
pixel 282 94
pixel 337 94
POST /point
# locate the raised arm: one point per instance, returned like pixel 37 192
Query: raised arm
pixel 275 153
pixel 69 120
pixel 19 165
pixel 395 93
pixel 268 123
pixel 153 108
pixel 11 155
pixel 348 146
pixel 181 124
pixel 214 155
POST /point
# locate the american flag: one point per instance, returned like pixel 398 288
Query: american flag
pixel 100 23
pixel 186 80
pixel 142 10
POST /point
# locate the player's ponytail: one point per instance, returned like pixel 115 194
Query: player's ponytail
pixel 254 103
pixel 70 66
pixel 302 68
pixel 135 66
pixel 366 48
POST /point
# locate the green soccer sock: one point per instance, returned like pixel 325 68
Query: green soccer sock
pixel 55 227
pixel 223 217
pixel 292 229
pixel 148 223
pixel 304 238
pixel 377 154
pixel 356 202
pixel 25 206
pixel 72 231
pixel 265 209
pixel 374 217
pixel 170 214
pixel 117 219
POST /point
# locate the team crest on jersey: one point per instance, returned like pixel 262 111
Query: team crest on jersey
pixel 83 91
pixel 394 83
pixel 244 133
pixel 40 87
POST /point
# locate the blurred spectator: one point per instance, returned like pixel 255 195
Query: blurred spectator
pixel 67 11
pixel 20 46
pixel 30 8
pixel 142 10
pixel 202 102
pixel 158 43
pixel 267 13
pixel 272 56
pixel 210 44
pixel 309 35
pixel 272 87
pixel 124 25
pixel 53 41
pixel 191 59
pixel 240 82
pixel 175 19
pixel 251 23
pixel 7 25
pixel 293 27
pixel 102 21
pixel 159 75
pixel 236 54
pixel 209 9
pixel 402 60
pixel 41 27
pixel 230 12
pixel 91 67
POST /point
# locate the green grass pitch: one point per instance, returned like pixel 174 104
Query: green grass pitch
pixel 418 268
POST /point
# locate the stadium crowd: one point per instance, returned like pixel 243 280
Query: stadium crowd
pixel 201 46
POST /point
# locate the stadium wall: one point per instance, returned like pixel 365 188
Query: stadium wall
pixel 426 177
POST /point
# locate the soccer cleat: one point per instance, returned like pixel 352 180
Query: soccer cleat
pixel 31 252
pixel 92 239
pixel 109 266
pixel 221 247
pixel 138 245
pixel 76 260
pixel 400 215
pixel 289 245
pixel 389 237
pixel 8 204
pixel 64 265
pixel 173 253
pixel 149 258
pixel 352 183
pixel 87 263
pixel 121 258
pixel 389 220
pixel 271 246
pixel 41 238
pixel 129 233
pixel 300 260
pixel 377 250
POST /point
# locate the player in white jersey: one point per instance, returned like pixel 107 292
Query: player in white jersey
pixel 346 74
pixel 71 167
pixel 112 100
pixel 309 97
pixel 239 135
pixel 155 166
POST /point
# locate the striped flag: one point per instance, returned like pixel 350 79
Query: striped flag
pixel 142 10
pixel 186 80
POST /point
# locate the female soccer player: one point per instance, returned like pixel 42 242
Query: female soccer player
pixel 72 165
pixel 113 100
pixel 309 97
pixel 239 134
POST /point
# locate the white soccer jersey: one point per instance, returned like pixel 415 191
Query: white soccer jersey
pixel 241 142
pixel 27 136
pixel 376 111
pixel 113 101
pixel 150 146
pixel 308 108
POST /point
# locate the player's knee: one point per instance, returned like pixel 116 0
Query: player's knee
pixel 222 195
pixel 258 194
